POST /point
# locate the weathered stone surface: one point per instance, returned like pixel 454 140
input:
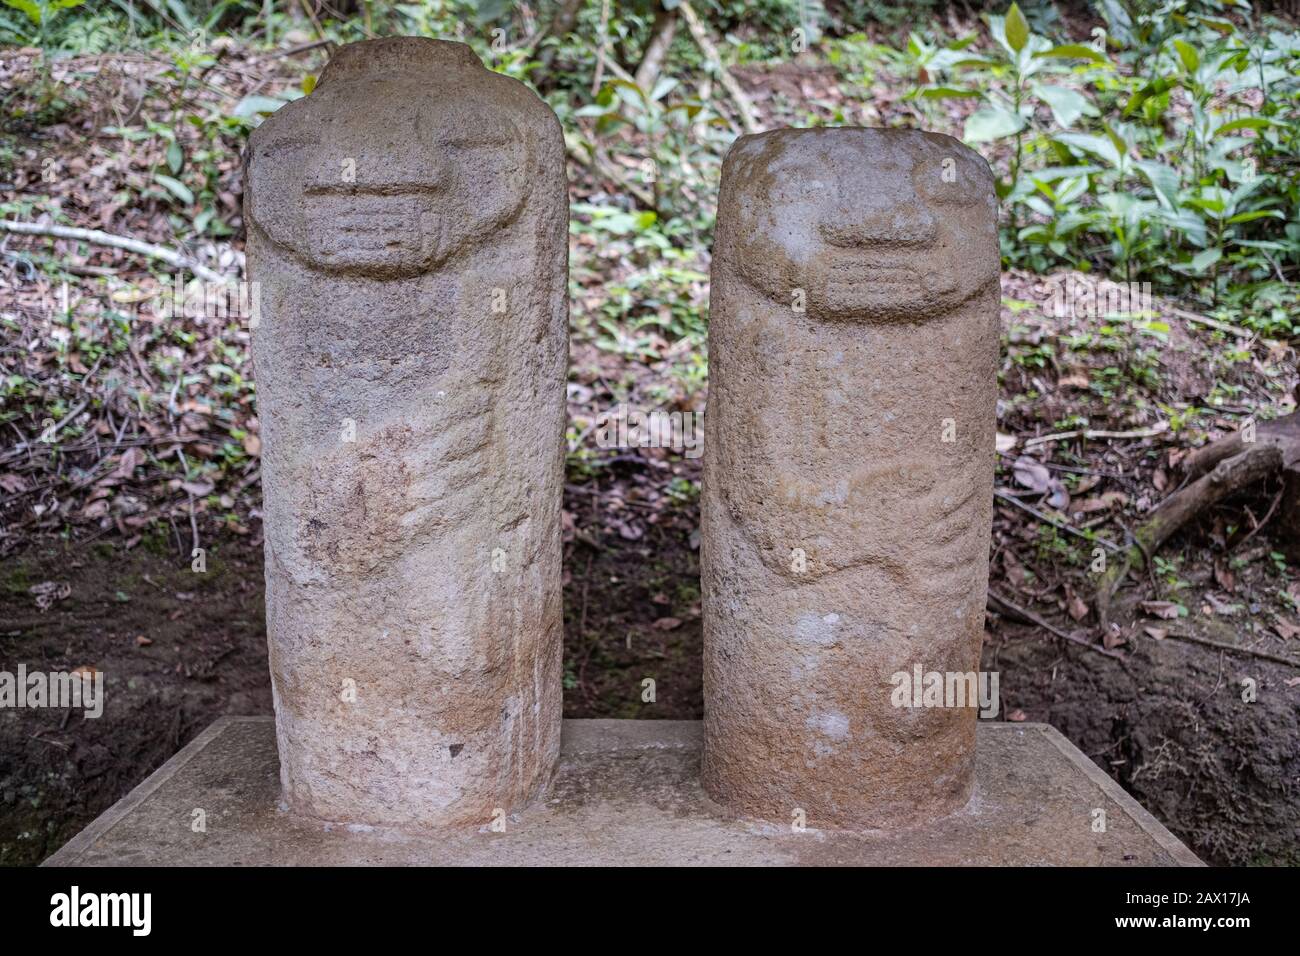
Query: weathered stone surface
pixel 628 793
pixel 848 471
pixel 407 224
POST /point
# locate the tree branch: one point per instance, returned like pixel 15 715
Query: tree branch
pixel 710 51
pixel 170 256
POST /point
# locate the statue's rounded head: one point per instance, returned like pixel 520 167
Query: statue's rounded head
pixel 407 153
pixel 859 224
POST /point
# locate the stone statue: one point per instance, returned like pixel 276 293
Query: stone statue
pixel 848 471
pixel 407 226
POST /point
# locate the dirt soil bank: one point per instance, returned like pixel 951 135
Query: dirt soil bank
pixel 179 649
pixel 1170 724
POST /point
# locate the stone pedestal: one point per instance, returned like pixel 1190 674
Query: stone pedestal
pixel 407 230
pixel 848 473
pixel 628 792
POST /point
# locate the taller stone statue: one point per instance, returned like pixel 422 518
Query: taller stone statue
pixel 407 225
pixel 848 472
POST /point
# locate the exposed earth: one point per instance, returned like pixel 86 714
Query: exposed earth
pixel 180 648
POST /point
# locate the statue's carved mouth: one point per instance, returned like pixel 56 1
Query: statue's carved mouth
pixel 375 230
pixel 865 279
pixel 867 275
pixel 884 280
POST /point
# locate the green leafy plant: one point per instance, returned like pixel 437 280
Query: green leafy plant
pixel 1165 148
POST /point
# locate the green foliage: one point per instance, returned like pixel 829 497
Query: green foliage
pixel 1167 148
pixel 1164 148
pixel 41 12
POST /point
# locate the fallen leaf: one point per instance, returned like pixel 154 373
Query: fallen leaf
pixel 1113 638
pixel 667 623
pixel 579 393
pixel 1078 608
pixel 95 509
pixel 1159 633
pixel 1015 571
pixel 47 592
pixel 1285 630
pixel 127 464
pixel 1087 483
pixel 1165 610
pixel 1032 475
pixel 142 641
pixel 1102 502
pixel 1017 716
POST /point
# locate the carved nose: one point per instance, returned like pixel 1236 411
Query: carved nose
pixel 907 223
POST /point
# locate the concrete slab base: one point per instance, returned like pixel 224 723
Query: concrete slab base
pixel 627 792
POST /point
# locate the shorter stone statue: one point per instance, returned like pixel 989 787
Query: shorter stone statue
pixel 848 472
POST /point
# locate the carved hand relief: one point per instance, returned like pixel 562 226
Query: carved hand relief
pixel 391 193
pixel 869 228
pixel 840 450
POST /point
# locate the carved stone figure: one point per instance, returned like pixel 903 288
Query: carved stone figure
pixel 848 472
pixel 407 225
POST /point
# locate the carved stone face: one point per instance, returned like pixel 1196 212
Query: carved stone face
pixel 871 225
pixel 385 177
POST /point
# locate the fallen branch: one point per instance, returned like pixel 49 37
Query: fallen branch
pixel 1233 648
pixel 1283 432
pixel 1213 323
pixel 170 256
pixel 291 51
pixel 1029 617
pixel 1090 433
pixel 1048 519
pixel 701 36
pixel 661 38
pixel 1229 476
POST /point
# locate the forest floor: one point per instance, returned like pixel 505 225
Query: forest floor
pixel 157 452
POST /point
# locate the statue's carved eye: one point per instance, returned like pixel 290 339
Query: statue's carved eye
pixel 947 182
pixel 804 190
pixel 486 141
pixel 284 148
